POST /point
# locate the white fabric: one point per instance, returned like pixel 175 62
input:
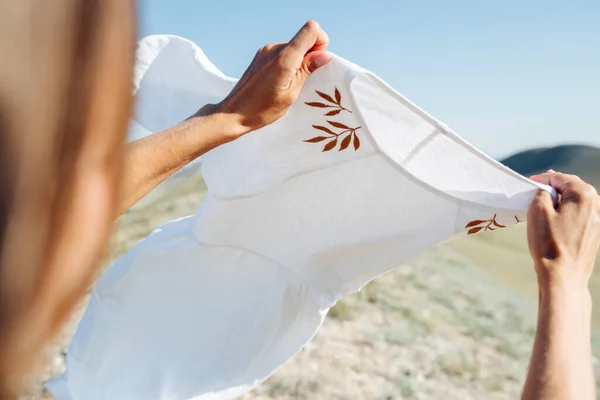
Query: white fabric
pixel 210 305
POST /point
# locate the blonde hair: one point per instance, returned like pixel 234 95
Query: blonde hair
pixel 65 100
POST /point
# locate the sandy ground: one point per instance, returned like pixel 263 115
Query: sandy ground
pixel 435 328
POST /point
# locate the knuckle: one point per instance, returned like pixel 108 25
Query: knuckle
pixel 263 50
pixel 577 180
pixel 588 193
pixel 311 25
pixel 538 205
pixel 567 178
pixel 574 180
pixel 271 47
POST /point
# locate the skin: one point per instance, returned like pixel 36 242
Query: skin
pixel 563 240
pixel 266 90
pixel 65 101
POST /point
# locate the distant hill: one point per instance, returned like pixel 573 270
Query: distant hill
pixel 583 161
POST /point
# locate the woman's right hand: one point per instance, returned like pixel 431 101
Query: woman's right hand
pixel 564 237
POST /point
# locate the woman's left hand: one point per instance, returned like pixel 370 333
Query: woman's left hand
pixel 274 79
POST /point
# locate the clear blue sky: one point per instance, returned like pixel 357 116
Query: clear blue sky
pixel 505 75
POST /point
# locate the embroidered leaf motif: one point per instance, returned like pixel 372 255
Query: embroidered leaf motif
pixel 338 125
pixel 334 103
pixel 333 112
pixel 356 141
pixel 474 223
pixel 497 224
pixel 345 142
pixel 317 139
pixel 475 230
pixel 485 225
pixel 350 133
pixel 317 104
pixel 324 129
pixel 330 145
pixel 327 97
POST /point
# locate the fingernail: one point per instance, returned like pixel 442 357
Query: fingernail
pixel 551 171
pixel 320 60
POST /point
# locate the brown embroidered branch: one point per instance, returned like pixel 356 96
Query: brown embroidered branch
pixel 336 103
pixel 486 225
pixel 345 135
pixel 333 137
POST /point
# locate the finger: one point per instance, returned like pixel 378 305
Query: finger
pixel 311 37
pixel 542 203
pixel 570 187
pixel 314 61
pixel 538 177
pixel 556 180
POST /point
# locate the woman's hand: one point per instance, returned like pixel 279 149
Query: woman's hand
pixel 564 238
pixel 274 79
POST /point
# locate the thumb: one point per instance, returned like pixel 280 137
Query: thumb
pixel 313 61
pixel 542 204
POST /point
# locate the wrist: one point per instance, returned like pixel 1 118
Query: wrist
pixel 227 125
pixel 562 282
pixel 560 273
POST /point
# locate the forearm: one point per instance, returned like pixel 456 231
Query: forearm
pixel 151 160
pixel 561 366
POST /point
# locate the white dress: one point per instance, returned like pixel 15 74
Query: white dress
pixel 351 182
